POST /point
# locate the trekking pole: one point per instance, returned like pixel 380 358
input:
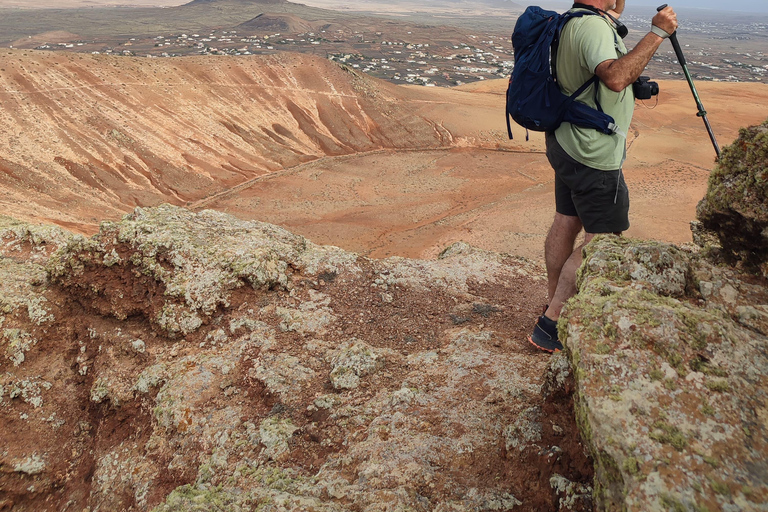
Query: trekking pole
pixel 701 113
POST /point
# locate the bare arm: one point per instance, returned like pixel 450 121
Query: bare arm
pixel 618 74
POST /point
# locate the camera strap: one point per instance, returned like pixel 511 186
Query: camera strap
pixel 621 28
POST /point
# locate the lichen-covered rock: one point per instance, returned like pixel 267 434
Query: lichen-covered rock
pixel 644 265
pixel 525 431
pixel 670 379
pixel 354 360
pixel 736 204
pixel 185 276
pixel 181 361
pixel 30 242
pixel 23 283
pixel 574 496
pixel 274 434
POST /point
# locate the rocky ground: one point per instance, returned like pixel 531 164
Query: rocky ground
pixel 181 361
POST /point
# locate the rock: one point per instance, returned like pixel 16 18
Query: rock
pixel 736 204
pixel 32 465
pixel 182 279
pixel 645 265
pixel 182 361
pixel 274 434
pixel 573 496
pixel 354 360
pixel 525 431
pixel 670 386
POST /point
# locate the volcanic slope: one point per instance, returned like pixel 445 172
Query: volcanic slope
pixel 328 152
pixel 85 134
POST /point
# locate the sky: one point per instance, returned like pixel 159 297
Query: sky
pixel 747 6
pixel 756 6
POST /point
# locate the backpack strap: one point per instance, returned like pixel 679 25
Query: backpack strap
pixel 509 126
pixel 565 18
pixel 556 44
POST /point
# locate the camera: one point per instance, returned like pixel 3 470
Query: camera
pixel 644 89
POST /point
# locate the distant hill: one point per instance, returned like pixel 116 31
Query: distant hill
pixel 124 22
pixel 246 2
pixel 276 22
pixel 502 4
pixel 109 133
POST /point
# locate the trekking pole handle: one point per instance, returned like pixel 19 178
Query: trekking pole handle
pixel 674 41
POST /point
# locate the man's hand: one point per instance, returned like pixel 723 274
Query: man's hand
pixel 666 20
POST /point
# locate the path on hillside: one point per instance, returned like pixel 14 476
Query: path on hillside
pixel 203 203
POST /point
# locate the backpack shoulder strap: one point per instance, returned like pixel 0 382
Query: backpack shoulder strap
pixel 564 18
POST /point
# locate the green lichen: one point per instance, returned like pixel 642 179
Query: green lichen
pixel 702 365
pixel 666 433
pixel 17 344
pixel 610 331
pixel 22 287
pixel 719 386
pixel 719 487
pixel 188 498
pixel 631 465
pixel 99 391
pixel 672 504
pixel 603 348
pixel 275 434
pixel 151 377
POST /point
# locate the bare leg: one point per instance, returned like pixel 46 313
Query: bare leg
pixel 559 247
pixel 566 286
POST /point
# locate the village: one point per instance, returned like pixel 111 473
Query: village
pixel 445 64
pixel 716 52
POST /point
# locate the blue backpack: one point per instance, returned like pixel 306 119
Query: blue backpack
pixel 534 99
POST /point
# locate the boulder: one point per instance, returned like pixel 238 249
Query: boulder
pixel 670 360
pixel 736 204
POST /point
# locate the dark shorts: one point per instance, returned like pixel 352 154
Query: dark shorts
pixel 599 199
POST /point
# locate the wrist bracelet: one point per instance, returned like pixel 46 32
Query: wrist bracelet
pixel 660 32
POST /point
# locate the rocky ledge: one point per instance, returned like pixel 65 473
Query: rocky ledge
pixel 670 357
pixel 179 361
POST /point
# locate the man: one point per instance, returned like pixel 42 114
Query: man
pixel 590 191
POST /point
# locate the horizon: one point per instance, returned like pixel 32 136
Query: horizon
pixel 754 6
pixel 736 6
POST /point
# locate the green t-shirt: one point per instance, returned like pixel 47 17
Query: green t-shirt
pixel 586 42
